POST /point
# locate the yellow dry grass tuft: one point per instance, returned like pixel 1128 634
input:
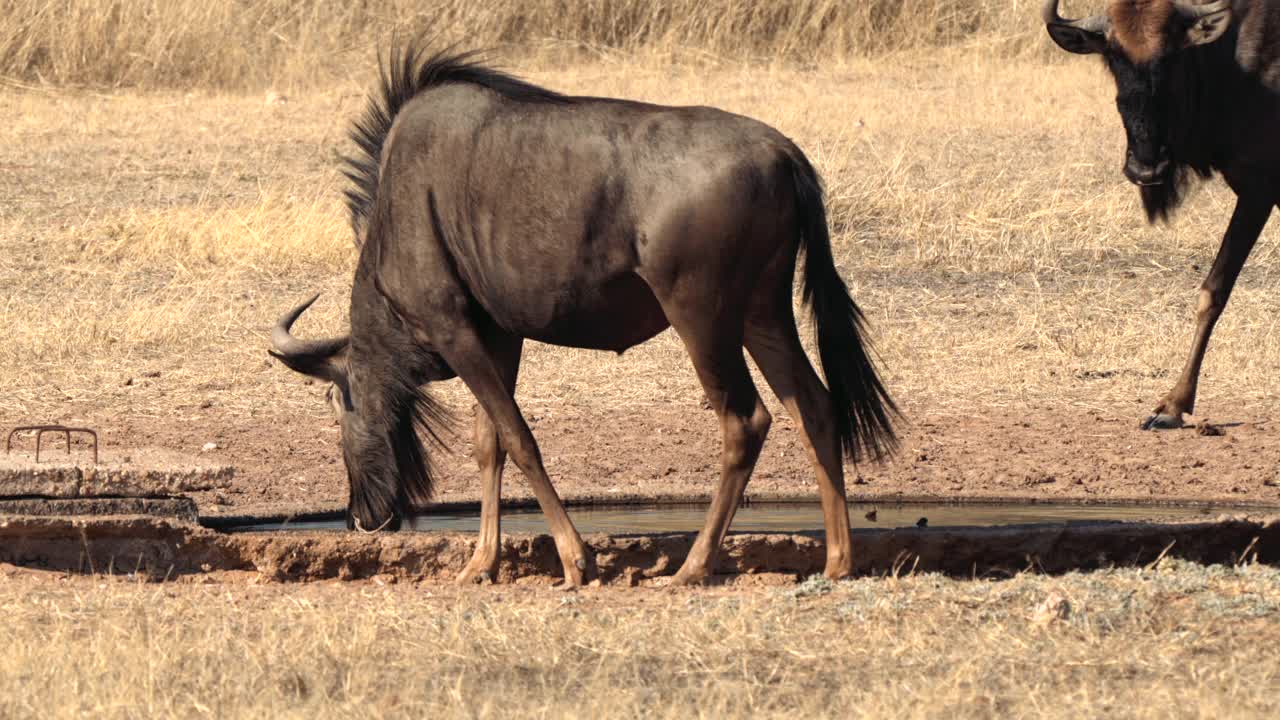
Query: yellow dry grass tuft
pixel 274 237
pixel 1176 641
pixel 160 282
pixel 292 43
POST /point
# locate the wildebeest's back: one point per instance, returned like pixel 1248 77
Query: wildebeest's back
pixel 549 210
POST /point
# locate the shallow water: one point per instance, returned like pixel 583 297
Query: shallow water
pixel 784 517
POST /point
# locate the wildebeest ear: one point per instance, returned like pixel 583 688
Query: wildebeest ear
pixel 1207 28
pixel 1077 39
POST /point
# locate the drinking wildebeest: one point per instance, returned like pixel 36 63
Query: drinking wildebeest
pixel 1198 89
pixel 488 210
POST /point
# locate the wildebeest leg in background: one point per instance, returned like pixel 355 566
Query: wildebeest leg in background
pixel 775 345
pixel 1247 221
pixel 715 346
pixel 491 457
pixel 477 364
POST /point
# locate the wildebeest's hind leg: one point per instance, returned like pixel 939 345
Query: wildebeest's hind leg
pixel 715 346
pixel 491 457
pixel 477 365
pixel 1247 221
pixel 774 343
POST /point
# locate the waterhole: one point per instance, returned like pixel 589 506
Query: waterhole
pixel 783 517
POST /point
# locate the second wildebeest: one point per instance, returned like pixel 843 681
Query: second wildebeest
pixel 1198 89
pixel 488 211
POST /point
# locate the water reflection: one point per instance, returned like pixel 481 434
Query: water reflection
pixel 788 517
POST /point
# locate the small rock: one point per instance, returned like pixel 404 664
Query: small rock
pixel 922 522
pixel 275 98
pixel 206 404
pixel 209 447
pixel 151 374
pixel 128 382
pixel 1054 607
pixel 871 515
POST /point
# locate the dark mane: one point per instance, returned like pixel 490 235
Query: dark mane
pixel 387 461
pixel 407 72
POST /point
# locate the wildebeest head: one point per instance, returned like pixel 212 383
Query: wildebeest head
pixel 378 403
pixel 1147 46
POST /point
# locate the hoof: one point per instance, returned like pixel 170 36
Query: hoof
pixel 837 573
pixel 468 577
pixel 683 579
pixel 839 566
pixel 1162 421
pixel 582 571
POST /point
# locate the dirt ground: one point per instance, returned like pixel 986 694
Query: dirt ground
pixel 293 463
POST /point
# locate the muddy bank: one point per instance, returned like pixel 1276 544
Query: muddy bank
pixel 166 548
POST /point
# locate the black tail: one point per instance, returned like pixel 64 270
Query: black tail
pixel 863 409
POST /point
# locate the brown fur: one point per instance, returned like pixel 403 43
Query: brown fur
pixel 1140 27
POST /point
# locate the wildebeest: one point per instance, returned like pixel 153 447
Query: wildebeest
pixel 488 211
pixel 1198 89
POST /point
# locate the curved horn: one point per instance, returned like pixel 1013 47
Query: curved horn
pixel 317 358
pixel 1204 23
pixel 1095 23
pixel 1193 11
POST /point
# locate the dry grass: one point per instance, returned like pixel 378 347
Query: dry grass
pixel 291 43
pixel 1178 641
pixel 978 210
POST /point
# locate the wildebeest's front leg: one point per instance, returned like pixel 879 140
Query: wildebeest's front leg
pixel 1247 221
pixel 491 457
pixel 476 363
